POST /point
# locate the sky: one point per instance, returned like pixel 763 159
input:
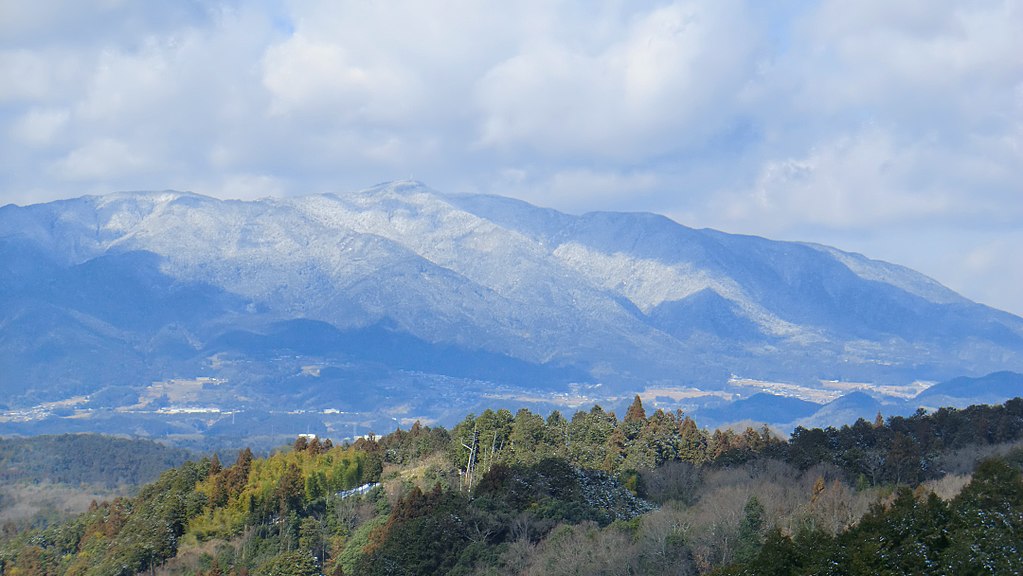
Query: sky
pixel 893 129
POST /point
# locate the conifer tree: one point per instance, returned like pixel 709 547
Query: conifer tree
pixel 751 530
pixel 636 413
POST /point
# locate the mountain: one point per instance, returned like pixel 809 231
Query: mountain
pixel 844 410
pixel 758 408
pixel 963 391
pixel 400 302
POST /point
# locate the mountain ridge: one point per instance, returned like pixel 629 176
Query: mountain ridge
pixel 627 301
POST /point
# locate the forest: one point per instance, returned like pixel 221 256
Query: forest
pixel 85 459
pixel 502 493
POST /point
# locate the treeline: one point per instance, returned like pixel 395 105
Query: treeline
pixel 905 450
pixel 504 493
pixel 980 531
pixel 86 459
pixel 899 450
pixel 266 498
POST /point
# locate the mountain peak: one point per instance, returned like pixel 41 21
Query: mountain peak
pixel 628 301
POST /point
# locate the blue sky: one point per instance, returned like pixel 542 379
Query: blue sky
pixel 894 129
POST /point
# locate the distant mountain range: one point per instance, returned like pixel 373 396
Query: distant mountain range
pixel 399 302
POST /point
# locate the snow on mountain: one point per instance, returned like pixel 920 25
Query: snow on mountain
pixel 899 276
pixel 627 300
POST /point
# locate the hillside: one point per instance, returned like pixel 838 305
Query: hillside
pixel 179 315
pixel 522 494
pixel 85 459
pixel 45 479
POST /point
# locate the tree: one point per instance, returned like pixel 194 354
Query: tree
pixel 987 522
pixel 692 442
pixel 662 437
pixel 294 563
pixel 312 537
pixel 215 465
pixel 636 414
pixel 904 459
pixel 590 433
pixel 527 435
pixel 751 530
pixel 556 435
pixel 289 490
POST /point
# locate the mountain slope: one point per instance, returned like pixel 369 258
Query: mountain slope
pixel 963 391
pixel 135 288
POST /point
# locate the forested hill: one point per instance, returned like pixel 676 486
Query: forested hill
pixel 86 459
pixel 504 493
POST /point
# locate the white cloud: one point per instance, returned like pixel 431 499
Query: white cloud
pixel 663 84
pixel 86 23
pixel 251 187
pixel 321 79
pixel 993 270
pixel 580 189
pixel 105 158
pixel 870 179
pixel 813 120
pixel 39 126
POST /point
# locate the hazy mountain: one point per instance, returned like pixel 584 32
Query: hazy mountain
pixel 844 410
pixel 963 391
pixel 404 300
pixel 786 413
pixel 758 408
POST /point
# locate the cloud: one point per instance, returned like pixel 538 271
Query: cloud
pixel 321 79
pixel 613 190
pixel 812 120
pixel 872 178
pixel 663 84
pixel 39 126
pixel 86 23
pixel 100 158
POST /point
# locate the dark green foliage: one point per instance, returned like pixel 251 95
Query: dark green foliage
pixel 907 537
pixel 553 489
pixel 978 532
pixel 590 433
pixel 401 447
pixel 751 530
pixel 126 537
pixel 425 534
pixel 902 450
pixel 294 563
pixel 987 521
pixel 85 459
pixel 545 491
pixel 779 556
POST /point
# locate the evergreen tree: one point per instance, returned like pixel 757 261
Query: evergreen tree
pixel 294 563
pixel 636 414
pixel 987 522
pixel 751 530
pixel 527 437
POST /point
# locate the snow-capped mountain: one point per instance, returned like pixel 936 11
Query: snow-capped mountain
pixel 118 292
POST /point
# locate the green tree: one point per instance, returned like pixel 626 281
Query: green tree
pixel 294 563
pixel 751 530
pixel 987 522
pixel 527 437
pixel 590 433
pixel 692 442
